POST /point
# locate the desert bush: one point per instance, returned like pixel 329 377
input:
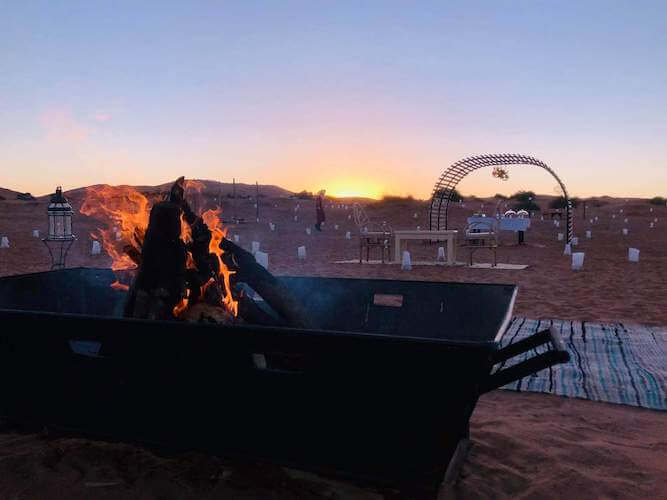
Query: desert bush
pixel 456 196
pixel 528 205
pixel 560 202
pixel 390 198
pixel 657 200
pixel 304 195
pixel 522 196
pixel 499 196
pixel 597 203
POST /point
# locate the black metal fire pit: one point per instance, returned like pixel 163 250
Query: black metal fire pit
pixel 383 391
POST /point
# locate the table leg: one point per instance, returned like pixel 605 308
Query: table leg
pixel 397 249
pixel 451 250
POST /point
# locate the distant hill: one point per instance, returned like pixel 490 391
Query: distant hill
pixel 8 194
pixel 211 188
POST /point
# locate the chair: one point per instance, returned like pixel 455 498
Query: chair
pixel 371 234
pixel 482 234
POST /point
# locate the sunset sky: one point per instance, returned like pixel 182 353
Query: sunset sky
pixel 359 97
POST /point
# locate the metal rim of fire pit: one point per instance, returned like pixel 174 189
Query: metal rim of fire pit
pixel 444 188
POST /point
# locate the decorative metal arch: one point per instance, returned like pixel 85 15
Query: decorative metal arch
pixel 444 188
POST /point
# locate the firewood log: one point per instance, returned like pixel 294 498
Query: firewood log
pixel 277 295
pixel 160 281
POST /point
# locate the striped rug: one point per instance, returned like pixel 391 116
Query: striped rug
pixel 611 362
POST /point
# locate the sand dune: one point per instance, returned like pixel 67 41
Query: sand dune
pixel 525 445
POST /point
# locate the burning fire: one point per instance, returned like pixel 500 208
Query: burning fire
pixel 117 285
pixel 182 305
pixel 126 212
pixel 124 208
pixel 186 231
pixel 212 220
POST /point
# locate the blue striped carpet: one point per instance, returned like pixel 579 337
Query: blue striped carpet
pixel 611 362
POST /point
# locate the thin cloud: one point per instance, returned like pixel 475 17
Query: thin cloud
pixel 102 117
pixel 61 126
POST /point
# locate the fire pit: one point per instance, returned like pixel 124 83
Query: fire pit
pixel 382 390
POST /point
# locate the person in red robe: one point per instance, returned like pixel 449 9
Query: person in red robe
pixel 319 210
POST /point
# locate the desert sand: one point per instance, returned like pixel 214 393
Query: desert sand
pixel 525 445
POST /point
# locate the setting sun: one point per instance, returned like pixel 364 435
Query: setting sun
pixel 356 188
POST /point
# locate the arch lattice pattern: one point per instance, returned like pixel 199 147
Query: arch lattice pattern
pixel 444 188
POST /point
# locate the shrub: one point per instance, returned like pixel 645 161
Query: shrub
pixel 528 205
pixel 561 203
pixel 456 196
pixel 523 196
pixel 657 200
pixel 393 198
pixel 499 196
pixel 304 195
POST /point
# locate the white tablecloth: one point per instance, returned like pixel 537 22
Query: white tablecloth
pixel 506 223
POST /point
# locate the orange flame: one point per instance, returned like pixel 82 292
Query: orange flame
pixel 212 220
pixel 121 206
pixel 117 285
pixel 191 184
pixel 193 191
pixel 182 305
pixel 186 231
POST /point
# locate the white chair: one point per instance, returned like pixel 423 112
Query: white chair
pixel 371 234
pixel 482 234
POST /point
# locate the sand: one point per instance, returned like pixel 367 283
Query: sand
pixel 525 445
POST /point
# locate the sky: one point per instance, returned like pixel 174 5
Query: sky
pixel 359 98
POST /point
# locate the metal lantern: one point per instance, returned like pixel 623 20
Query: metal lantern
pixel 60 229
pixel 60 217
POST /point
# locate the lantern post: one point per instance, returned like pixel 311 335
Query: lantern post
pixel 60 238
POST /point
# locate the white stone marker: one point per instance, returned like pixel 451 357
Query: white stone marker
pixel 620 211
pixel 441 253
pixel 596 218
pixel 416 215
pixel 96 248
pixel 262 259
pixel 255 205
pixel 258 220
pixel 650 210
pixel 613 216
pixel 625 231
pixel 577 260
pixel 655 219
pixel 272 226
pixel 419 228
pixel 406 264
pixel 35 233
pixel 557 223
pixel 336 227
pixel 560 236
pixel 575 241
pixel 301 253
pixel 651 225
pixel 591 221
pixel 296 218
pixel 568 249
pixel 349 217
pixel 348 236
pixel 625 220
pixel 119 236
pixel 542 217
pixel 588 234
pixel 236 238
pixel 4 242
pixel 308 230
pixel 633 254
pixel 255 246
